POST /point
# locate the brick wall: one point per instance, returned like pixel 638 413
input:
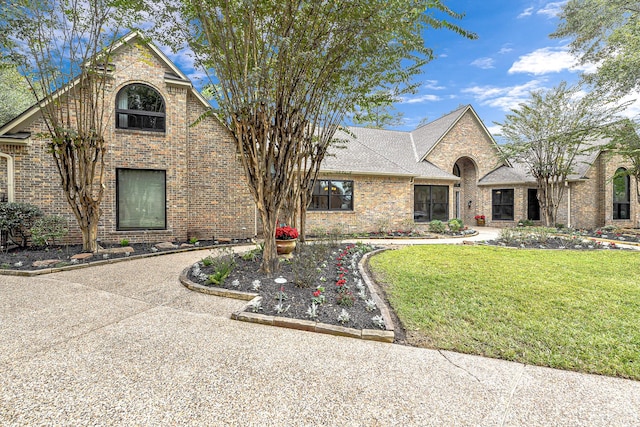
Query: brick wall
pixel 205 187
pixel 377 201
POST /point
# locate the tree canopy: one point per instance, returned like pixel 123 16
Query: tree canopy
pixel 605 33
pixel 15 94
pixel 286 72
pixel 548 133
pixel 62 48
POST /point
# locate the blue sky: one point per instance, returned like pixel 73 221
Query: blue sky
pixel 512 56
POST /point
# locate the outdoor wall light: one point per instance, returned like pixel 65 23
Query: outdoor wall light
pixel 469 204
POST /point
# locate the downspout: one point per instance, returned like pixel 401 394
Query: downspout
pixel 568 205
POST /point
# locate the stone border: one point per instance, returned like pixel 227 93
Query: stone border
pixel 386 335
pixel 30 273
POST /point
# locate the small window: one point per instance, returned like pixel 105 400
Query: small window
pixel 140 107
pixel 533 205
pixel 141 199
pixel 329 195
pixel 621 195
pixel 430 202
pixel 502 205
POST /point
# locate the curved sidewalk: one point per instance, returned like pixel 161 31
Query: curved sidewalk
pixel 127 344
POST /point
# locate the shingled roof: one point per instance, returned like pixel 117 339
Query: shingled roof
pixel 387 152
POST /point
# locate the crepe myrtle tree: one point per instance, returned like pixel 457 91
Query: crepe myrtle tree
pixel 549 131
pixel 62 48
pixel 286 72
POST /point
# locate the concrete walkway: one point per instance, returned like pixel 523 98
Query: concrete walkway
pixel 126 344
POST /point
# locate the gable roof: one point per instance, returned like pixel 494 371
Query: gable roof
pixel 379 152
pixel 177 77
pixel 519 173
pixel 388 152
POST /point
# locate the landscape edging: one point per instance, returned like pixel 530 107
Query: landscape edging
pixel 386 335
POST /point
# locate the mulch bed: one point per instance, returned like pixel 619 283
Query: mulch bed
pixel 23 258
pixel 562 242
pixel 314 265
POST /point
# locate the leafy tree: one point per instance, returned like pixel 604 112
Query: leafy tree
pixel 379 113
pixel 63 48
pixel 286 73
pixel 607 33
pixel 15 94
pixel 625 142
pixel 549 131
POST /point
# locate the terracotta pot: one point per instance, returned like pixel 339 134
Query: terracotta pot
pixel 285 247
pixel 480 222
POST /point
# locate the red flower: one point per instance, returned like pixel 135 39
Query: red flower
pixel 286 233
pixel 341 282
pixel 316 293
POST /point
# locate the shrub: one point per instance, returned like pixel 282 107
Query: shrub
pixel 222 267
pixel 437 226
pixel 124 242
pixel 17 219
pixel 525 223
pixel 304 265
pixel 455 225
pixel 345 299
pixel 48 228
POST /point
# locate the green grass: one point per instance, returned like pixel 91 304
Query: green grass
pixel 576 310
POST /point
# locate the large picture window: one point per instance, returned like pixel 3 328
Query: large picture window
pixel 332 195
pixel 430 202
pixel 621 195
pixel 502 205
pixel 141 199
pixel 140 107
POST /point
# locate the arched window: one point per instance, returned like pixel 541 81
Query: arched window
pixel 141 107
pixel 621 195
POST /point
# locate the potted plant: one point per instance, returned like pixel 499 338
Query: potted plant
pixel 286 239
pixel 480 219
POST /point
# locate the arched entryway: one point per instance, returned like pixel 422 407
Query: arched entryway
pixel 465 193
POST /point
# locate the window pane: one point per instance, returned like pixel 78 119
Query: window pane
pixel 141 199
pixel 430 202
pixel 502 205
pixel 332 195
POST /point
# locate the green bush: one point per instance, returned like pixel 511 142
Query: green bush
pixel 17 219
pixel 455 225
pixel 222 268
pixel 48 229
pixel 437 226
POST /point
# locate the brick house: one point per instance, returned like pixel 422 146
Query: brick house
pixel 165 177
pixel 452 168
pixel 169 178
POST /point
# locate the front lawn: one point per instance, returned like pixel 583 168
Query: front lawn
pixel 576 310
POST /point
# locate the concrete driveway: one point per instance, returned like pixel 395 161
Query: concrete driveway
pixel 127 344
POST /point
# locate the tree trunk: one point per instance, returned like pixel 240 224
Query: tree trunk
pixel 270 263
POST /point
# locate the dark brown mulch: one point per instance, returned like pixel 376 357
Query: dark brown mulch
pixel 573 242
pixel 23 258
pixel 311 266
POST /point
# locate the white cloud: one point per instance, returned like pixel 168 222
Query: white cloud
pixel 504 98
pixel 484 63
pixel 633 110
pixel 420 99
pixel 527 12
pixel 548 60
pixel 504 50
pixel 551 10
pixel 494 130
pixel 432 85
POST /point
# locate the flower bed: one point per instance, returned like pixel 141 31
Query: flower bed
pixel 321 283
